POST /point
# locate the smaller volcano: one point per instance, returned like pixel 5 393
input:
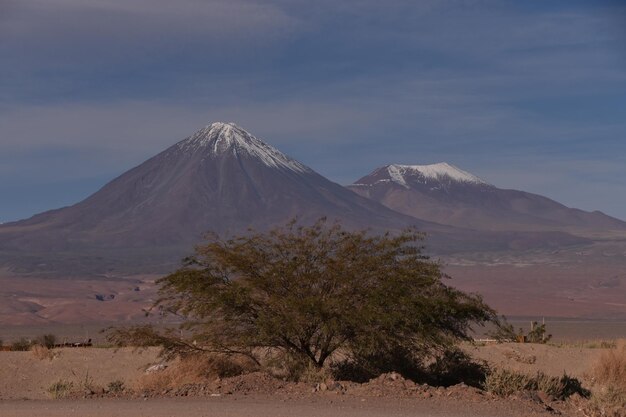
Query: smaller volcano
pixel 445 194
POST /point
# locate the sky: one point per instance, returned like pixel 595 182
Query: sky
pixel 528 95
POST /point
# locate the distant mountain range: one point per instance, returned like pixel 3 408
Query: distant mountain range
pixel 225 180
pixel 448 195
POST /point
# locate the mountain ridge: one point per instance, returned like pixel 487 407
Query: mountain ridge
pixel 224 180
pixel 464 200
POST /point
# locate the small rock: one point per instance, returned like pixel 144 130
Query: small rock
pixel 335 386
pixel 156 368
pixel 544 397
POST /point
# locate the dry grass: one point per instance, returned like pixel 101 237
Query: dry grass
pixel 194 369
pixel 587 344
pixel 518 357
pixel 610 369
pixel 609 372
pixel 42 352
pixel 60 389
pixel 503 382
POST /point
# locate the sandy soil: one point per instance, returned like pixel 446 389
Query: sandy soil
pixel 25 378
pixel 570 289
pixel 34 300
pixel 322 406
pixel 530 358
pixel 571 283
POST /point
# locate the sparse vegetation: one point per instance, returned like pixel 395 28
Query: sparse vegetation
pixel 196 368
pixel 607 402
pixel 309 292
pixel 586 344
pixel 611 367
pixel 116 387
pixel 504 382
pixel 42 352
pixel 505 332
pixel 86 383
pixel 609 373
pixel 60 389
pixel 47 340
pixel 455 367
pixel 21 345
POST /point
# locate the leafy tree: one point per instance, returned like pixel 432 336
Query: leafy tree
pixel 311 292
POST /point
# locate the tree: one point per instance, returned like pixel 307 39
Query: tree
pixel 505 332
pixel 313 291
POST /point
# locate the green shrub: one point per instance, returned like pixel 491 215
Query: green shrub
pixel 310 292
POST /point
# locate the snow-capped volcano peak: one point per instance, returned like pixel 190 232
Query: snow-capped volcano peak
pixel 219 138
pixel 438 172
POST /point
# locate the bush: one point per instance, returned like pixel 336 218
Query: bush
pixel 47 340
pixel 21 345
pixel 193 369
pixel 610 369
pixel 609 372
pixel 504 382
pixel 60 389
pixel 115 387
pixel 41 352
pixel 455 367
pixel 310 292
pixel 505 332
pixel 607 402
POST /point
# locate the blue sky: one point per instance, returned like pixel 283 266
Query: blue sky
pixel 528 95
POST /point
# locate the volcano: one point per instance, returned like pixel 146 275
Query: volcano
pixel 445 194
pixel 220 179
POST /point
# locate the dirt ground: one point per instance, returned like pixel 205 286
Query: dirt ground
pixel 25 379
pixel 23 376
pixel 530 358
pixel 231 406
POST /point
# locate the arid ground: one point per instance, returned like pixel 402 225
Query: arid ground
pixel 587 284
pixel 26 378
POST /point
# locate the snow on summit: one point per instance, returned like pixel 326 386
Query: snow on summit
pixel 438 172
pixel 219 138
